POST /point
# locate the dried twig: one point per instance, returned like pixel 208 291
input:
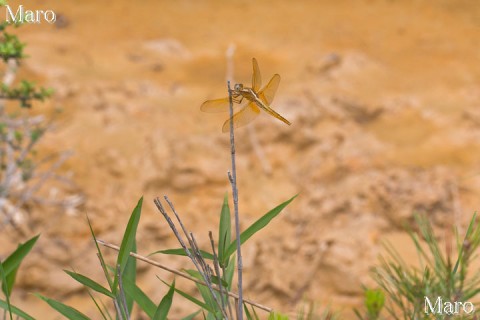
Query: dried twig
pixel 216 266
pixel 233 181
pixel 122 293
pixel 181 274
pixel 193 253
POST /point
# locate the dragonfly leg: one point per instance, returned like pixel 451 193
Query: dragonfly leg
pixel 237 98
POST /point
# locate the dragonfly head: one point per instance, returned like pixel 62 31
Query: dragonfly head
pixel 238 87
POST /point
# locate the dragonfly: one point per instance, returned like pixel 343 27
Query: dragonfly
pixel 257 99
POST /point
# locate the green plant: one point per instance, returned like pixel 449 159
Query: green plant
pixel 22 172
pixel 439 277
pixel 216 282
pixel 8 272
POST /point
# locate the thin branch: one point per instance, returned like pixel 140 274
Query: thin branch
pixel 196 257
pixel 181 274
pixel 233 182
pixel 217 271
pixel 122 292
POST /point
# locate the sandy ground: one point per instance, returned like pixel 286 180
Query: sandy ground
pixel 383 97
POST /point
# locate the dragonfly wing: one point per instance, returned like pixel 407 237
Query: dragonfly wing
pixel 242 117
pixel 256 77
pixel 268 93
pixel 217 105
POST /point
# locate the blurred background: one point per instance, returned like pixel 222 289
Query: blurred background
pixel 384 102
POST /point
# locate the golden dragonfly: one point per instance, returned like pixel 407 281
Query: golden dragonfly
pixel 257 99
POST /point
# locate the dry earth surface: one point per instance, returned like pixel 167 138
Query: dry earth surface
pixel 384 101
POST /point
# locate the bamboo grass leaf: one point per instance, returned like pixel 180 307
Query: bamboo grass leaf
pixel 12 262
pixel 257 225
pixel 142 300
pixel 181 252
pixel 100 255
pixel 199 303
pixel 89 283
pixel 204 292
pixel 16 311
pixel 192 315
pixel 5 290
pixel 224 233
pixel 165 304
pixel 128 242
pixel 67 311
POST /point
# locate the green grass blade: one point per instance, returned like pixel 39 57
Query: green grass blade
pixel 142 300
pixel 229 273
pixel 197 275
pixel 192 299
pixel 16 311
pixel 67 311
pixel 128 242
pixel 97 305
pixel 10 281
pixel 192 315
pixel 100 255
pixel 247 312
pixel 130 274
pixel 165 304
pixel 224 232
pixel 204 291
pixel 5 290
pixel 467 235
pixel 257 225
pixel 89 283
pixel 181 252
pixel 13 261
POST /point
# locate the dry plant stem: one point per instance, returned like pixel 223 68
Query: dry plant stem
pixel 117 307
pixel 216 267
pixel 122 292
pixel 193 254
pixel 181 274
pixel 233 181
pixel 228 300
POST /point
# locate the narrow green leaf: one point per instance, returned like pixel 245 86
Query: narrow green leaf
pixel 142 300
pixel 100 255
pixel 67 311
pixel 229 273
pixel 130 274
pixel 10 280
pixel 165 304
pixel 257 225
pixel 16 311
pixel 13 261
pixel 192 299
pixel 192 315
pixel 181 252
pixel 89 283
pixel 5 290
pixel 467 234
pixel 204 291
pixel 224 232
pixel 97 305
pixel 197 275
pixel 247 312
pixel 128 242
